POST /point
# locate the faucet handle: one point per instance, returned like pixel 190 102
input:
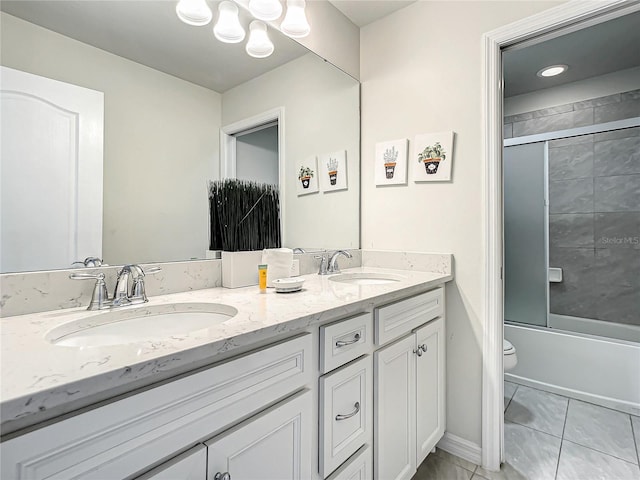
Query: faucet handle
pixel 137 289
pixel 100 296
pixel 150 270
pixel 323 263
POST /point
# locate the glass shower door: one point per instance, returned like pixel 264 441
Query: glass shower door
pixel 525 234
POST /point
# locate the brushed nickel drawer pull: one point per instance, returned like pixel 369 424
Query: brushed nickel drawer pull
pixel 349 415
pixel 343 343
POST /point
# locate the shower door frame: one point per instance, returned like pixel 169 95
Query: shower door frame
pixel 546 138
pixel 556 21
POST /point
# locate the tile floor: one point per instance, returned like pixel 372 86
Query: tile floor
pixel 551 437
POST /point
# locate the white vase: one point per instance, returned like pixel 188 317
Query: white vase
pixel 240 269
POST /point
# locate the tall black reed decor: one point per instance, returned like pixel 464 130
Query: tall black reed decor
pixel 243 215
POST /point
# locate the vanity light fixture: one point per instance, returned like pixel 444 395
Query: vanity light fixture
pixel 194 12
pixel 259 44
pixel 552 70
pixel 228 29
pixel 267 10
pixel 295 23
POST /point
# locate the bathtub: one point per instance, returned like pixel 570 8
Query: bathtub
pixel 595 369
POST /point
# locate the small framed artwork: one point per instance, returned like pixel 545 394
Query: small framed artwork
pixel 432 157
pixel 391 162
pixel 307 171
pixel 333 171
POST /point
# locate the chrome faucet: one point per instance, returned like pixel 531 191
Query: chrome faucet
pixel 329 265
pixel 333 261
pixel 90 262
pixel 121 297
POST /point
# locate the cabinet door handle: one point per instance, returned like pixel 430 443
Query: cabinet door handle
pixel 222 476
pixel 343 343
pixel 349 415
pixel 423 347
pixel 418 351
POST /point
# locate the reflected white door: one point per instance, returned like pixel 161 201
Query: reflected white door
pixel 51 172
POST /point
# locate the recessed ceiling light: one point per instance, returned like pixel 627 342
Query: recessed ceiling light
pixel 552 70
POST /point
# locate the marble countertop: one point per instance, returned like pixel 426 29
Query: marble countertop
pixel 41 380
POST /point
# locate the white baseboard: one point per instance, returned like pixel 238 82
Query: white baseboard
pixel 460 447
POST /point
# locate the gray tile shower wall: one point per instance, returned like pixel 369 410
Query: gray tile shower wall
pixel 571 115
pixel 594 207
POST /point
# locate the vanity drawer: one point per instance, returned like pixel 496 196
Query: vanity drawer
pixel 358 467
pixel 346 413
pixel 394 320
pixel 345 340
pixel 123 438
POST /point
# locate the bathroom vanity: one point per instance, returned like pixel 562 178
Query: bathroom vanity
pixel 344 380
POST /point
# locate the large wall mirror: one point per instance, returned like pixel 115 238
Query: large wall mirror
pixel 169 90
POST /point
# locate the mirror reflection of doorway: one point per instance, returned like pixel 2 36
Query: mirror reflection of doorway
pixel 257 154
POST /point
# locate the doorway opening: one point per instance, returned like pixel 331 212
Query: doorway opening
pixel 253 149
pixel 561 20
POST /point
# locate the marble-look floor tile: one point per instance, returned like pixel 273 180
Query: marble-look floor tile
pixel 436 467
pixel 602 429
pixel 478 477
pixel 509 390
pixel 460 462
pixel 635 424
pixel 529 454
pixel 539 410
pixel 581 463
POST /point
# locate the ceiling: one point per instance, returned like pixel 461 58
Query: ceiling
pixel 364 12
pixel 150 33
pixel 604 48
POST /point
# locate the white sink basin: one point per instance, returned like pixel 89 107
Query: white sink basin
pixel 364 278
pixel 140 324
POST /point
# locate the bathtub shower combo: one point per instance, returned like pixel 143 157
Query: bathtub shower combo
pixel 572 262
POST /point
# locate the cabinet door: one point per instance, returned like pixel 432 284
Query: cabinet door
pixel 430 387
pixel 394 411
pixel 191 465
pixel 273 445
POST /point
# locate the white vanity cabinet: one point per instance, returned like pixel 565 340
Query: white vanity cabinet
pixel 125 437
pixel 190 465
pixel 275 444
pixel 409 392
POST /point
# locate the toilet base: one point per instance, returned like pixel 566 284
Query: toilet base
pixel 510 361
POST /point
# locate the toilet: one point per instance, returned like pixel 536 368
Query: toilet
pixel 510 358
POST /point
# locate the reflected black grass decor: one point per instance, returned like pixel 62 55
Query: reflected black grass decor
pixel 243 215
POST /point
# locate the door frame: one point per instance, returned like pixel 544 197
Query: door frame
pixel 228 150
pixel 571 16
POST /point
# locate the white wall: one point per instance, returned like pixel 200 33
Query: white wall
pixel 161 143
pixel 321 111
pixel 418 79
pixel 610 84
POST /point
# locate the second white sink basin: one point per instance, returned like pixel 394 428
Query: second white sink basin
pixel 365 278
pixel 140 324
